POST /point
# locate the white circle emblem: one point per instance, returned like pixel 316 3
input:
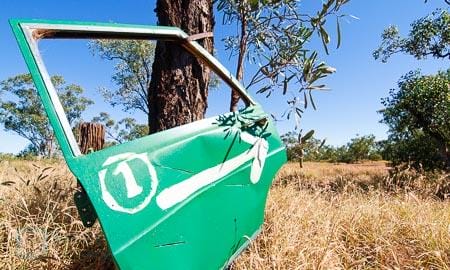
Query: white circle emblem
pixel 132 187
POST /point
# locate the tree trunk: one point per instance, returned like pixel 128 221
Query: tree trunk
pixel 444 152
pixel 91 137
pixel 240 64
pixel 50 146
pixel 179 87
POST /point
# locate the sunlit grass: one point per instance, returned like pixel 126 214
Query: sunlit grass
pixel 325 216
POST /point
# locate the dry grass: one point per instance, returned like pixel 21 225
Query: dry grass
pixel 322 217
pixel 352 217
pixel 39 224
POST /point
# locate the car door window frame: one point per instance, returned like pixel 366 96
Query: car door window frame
pixel 29 32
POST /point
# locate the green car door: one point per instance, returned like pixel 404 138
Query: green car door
pixel 191 197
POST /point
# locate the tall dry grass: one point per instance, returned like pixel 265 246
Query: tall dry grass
pixel 39 224
pixel 353 217
pixel 322 217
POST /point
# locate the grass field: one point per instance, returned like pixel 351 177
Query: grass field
pixel 326 216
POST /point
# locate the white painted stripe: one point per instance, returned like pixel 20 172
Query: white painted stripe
pixel 181 191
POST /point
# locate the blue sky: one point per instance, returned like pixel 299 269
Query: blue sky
pixel 348 109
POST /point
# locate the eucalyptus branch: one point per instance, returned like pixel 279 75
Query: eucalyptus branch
pixel 276 36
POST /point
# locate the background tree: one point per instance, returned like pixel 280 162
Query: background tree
pixel 428 36
pixel 273 35
pixel 132 72
pixel 357 149
pixel 301 146
pixel 418 150
pixel 179 87
pixel 418 113
pixel 361 148
pixel 126 129
pixel 23 112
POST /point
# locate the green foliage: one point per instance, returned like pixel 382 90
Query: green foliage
pixel 299 146
pixel 122 131
pixel 273 35
pixel 358 149
pixel 419 151
pixel 23 113
pixel 418 113
pixel 7 156
pixel 429 36
pixel 132 72
pixel 296 150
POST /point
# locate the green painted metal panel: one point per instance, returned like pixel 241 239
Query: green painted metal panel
pixel 191 197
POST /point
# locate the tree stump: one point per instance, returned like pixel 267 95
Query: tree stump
pixel 91 137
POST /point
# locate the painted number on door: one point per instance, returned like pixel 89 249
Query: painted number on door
pixel 181 191
pixel 133 188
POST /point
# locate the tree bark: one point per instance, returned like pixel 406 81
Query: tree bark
pixel 444 152
pixel 179 87
pixel 91 137
pixel 240 64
